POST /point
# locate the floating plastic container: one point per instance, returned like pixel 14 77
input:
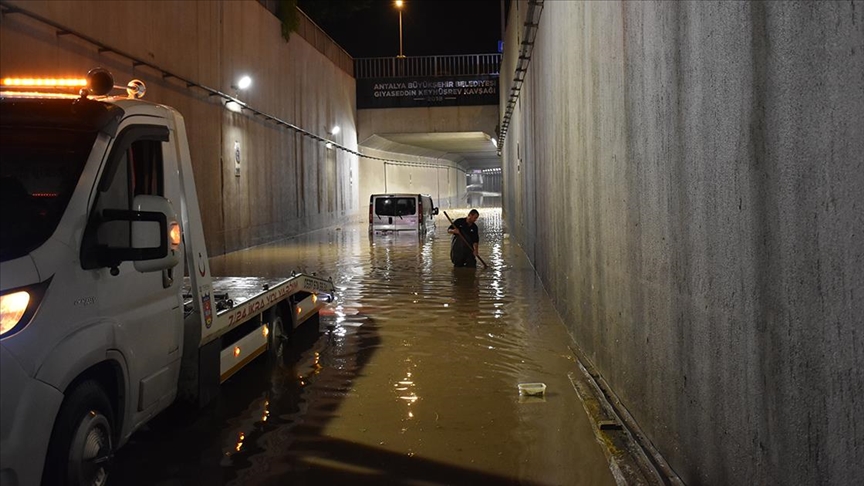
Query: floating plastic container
pixel 532 389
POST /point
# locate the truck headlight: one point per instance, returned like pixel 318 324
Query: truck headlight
pixel 12 309
pixel 17 307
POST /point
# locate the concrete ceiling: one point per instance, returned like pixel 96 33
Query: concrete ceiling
pixel 472 150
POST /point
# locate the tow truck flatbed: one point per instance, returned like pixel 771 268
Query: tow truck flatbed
pixel 236 299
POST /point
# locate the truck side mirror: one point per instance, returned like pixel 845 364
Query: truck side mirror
pixel 154 244
pixel 145 234
pixel 435 211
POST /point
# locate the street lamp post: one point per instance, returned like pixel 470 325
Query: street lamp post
pixel 399 4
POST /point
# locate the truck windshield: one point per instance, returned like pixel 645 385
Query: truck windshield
pixel 39 168
pixel 44 144
pixel 395 206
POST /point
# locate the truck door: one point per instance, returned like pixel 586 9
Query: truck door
pixel 146 307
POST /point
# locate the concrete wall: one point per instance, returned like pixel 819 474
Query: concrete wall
pixel 427 120
pixel 289 184
pixel 697 169
pixel 441 179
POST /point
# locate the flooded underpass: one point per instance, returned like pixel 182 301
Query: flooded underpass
pixel 410 377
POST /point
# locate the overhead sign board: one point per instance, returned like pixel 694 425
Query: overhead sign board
pixel 428 91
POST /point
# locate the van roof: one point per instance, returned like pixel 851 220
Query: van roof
pixel 405 194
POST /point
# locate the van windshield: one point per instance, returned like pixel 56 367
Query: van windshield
pixel 395 206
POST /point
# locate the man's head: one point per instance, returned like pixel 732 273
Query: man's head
pixel 472 216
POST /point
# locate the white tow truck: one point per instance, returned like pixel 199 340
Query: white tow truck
pixel 109 310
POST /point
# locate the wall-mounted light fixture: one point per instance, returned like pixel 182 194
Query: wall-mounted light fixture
pixel 234 106
pixel 328 145
pixel 335 130
pixel 243 83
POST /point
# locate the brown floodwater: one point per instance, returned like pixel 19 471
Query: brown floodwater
pixel 410 377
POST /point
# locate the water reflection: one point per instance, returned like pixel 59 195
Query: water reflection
pixel 410 377
pixel 465 295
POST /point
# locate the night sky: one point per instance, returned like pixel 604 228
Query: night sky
pixel 370 28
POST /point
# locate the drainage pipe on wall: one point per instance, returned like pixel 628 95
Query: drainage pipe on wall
pixel 526 48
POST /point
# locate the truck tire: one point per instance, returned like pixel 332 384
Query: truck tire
pixel 82 443
pixel 278 338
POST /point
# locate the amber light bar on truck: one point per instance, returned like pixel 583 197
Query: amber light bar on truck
pixel 99 82
pixel 44 82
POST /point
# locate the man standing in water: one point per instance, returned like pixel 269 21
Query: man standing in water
pixel 460 254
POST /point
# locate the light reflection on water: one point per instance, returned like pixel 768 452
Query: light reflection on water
pixel 411 377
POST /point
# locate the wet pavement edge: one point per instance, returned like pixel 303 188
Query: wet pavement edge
pixel 633 460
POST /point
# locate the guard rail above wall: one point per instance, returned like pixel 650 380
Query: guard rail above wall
pixel 427 66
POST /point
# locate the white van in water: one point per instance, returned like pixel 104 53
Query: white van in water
pixel 396 212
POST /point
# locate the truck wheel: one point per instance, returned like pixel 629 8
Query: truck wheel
pixel 277 336
pixel 82 443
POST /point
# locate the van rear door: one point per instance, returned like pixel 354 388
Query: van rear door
pixel 394 213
